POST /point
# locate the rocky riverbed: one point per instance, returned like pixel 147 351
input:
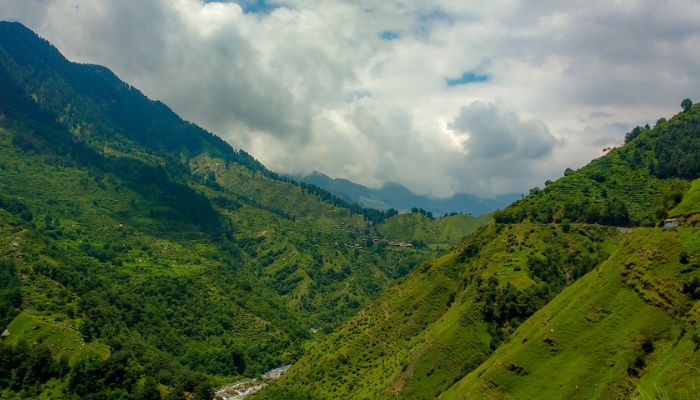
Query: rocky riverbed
pixel 241 389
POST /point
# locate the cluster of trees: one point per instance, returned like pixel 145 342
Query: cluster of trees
pixel 25 369
pixel 613 211
pixel 421 211
pixel 506 307
pixel 677 147
pixel 16 207
pixel 671 196
pixel 557 267
pixel 121 375
pixel 370 214
pixel 10 295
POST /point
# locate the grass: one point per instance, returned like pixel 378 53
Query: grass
pixel 690 204
pixel 62 337
pixel 605 336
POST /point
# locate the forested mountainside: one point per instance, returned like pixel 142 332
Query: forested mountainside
pixel 142 256
pixel 564 296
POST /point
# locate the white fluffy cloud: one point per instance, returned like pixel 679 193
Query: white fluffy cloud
pixel 359 89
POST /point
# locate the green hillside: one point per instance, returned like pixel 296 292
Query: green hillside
pixel 441 232
pixel 444 319
pixel 535 305
pixel 629 329
pixel 141 257
pixel 689 204
pixel 138 251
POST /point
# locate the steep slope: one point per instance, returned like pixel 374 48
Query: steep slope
pixel 634 311
pixel 440 322
pixel 689 206
pixel 148 252
pixel 627 329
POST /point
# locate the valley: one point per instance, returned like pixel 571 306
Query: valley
pixel 579 290
pixel 160 254
pixel 143 257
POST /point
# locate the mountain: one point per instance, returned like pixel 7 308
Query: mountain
pixel 574 291
pixel 394 195
pixel 142 255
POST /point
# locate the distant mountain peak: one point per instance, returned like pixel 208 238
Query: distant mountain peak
pixel 396 195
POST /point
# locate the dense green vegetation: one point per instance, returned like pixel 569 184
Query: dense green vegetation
pixel 10 295
pixel 444 319
pixel 550 302
pixel 144 255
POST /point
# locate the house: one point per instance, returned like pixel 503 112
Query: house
pixel 671 223
pixel 399 244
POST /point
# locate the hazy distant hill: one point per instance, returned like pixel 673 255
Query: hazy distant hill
pixel 394 195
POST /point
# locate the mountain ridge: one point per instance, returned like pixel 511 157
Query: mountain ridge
pixel 397 196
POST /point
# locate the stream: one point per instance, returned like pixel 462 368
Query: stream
pixel 241 389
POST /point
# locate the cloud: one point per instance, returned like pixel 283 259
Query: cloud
pixel 361 89
pixel 496 133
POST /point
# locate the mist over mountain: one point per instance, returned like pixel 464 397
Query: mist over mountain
pixel 394 195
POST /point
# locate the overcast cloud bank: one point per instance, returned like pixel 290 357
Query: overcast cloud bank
pixel 478 97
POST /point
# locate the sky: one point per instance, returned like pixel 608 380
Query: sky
pixel 446 96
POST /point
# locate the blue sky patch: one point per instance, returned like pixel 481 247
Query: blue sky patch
pixel 388 35
pixel 250 6
pixel 466 78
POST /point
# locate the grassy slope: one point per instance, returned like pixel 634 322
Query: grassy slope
pixel 59 334
pixel 690 204
pixel 624 329
pixel 428 330
pixel 416 227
